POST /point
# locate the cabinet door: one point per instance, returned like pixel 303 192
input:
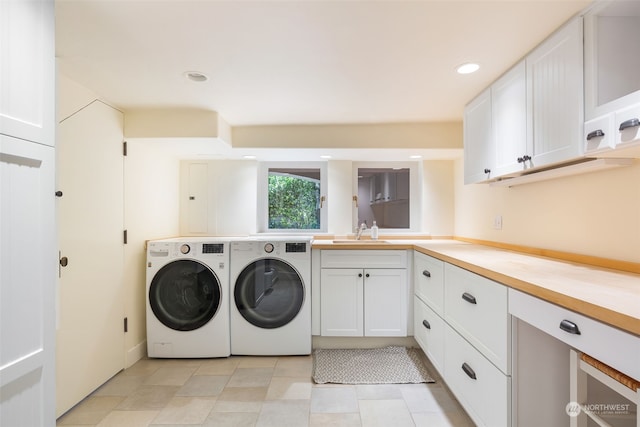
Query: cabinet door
pixel 478 143
pixel 27 283
pixel 341 302
pixel 428 330
pixel 555 97
pixel 509 120
pixel 385 302
pixel 27 78
pixel 429 281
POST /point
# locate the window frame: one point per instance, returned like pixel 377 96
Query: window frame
pixel 415 193
pixel 263 195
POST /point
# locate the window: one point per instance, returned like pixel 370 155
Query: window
pixel 389 194
pixel 291 197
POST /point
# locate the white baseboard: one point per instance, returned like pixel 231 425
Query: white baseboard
pixel 135 353
pixel 362 342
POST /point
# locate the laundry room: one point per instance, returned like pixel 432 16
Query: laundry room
pixel 477 233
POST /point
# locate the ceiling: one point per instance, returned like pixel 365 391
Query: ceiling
pixel 299 62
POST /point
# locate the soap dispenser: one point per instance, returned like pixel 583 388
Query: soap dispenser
pixel 374 231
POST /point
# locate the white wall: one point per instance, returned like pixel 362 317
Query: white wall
pixel 596 214
pixel 151 192
pixel 232 189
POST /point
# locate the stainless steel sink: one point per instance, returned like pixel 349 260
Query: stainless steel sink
pixel 359 242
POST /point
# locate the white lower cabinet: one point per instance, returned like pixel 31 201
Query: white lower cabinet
pixel 462 323
pixel 483 390
pixel 428 331
pixel 363 300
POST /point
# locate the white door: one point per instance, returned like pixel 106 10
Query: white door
pixel 385 302
pixel 27 214
pixel 90 336
pixel 27 283
pixel 341 302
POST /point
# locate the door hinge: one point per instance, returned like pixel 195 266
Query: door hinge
pixel 126 324
pixel 124 148
pixel 124 236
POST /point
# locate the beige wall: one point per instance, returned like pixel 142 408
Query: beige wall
pixel 595 214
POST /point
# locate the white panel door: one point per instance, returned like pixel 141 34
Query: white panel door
pixel 27 74
pixel 27 283
pixel 385 303
pixel 341 302
pixel 90 336
pixel 478 139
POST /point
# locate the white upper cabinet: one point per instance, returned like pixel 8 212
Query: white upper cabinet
pixel 532 115
pixel 478 141
pixel 555 97
pixel 612 80
pixel 509 121
pixel 27 78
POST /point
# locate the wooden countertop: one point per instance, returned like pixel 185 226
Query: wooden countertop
pixel 610 296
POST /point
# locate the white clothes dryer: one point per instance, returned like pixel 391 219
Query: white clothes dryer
pixel 270 310
pixel 188 298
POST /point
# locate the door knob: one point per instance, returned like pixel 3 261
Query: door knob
pixel 64 261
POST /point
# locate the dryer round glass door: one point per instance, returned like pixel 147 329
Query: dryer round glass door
pixel 184 295
pixel 269 293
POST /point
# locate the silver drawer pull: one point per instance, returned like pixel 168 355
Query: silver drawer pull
pixel 470 372
pixel 426 324
pixel 426 273
pixel 469 298
pixel 631 123
pixel 568 326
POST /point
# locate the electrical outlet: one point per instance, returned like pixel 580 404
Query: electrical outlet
pixel 497 222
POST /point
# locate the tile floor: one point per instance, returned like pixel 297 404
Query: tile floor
pixel 257 391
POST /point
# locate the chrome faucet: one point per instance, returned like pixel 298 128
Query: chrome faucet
pixel 361 230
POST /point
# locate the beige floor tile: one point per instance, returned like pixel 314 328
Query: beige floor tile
pixel 185 410
pixel 442 419
pixel 170 375
pixel 237 406
pixel 222 366
pixel 257 362
pixel 429 398
pixel 128 419
pixel 231 419
pixel 148 398
pixel 334 399
pixel 284 413
pixel 251 377
pixel 243 394
pixel 203 385
pixel 289 388
pixel 91 410
pixel 298 366
pixel 334 420
pixel 379 391
pixel 384 413
pixel 144 367
pixel 120 385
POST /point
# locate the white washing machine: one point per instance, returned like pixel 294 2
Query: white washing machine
pixel 270 308
pixel 188 298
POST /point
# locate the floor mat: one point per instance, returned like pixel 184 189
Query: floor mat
pixel 388 365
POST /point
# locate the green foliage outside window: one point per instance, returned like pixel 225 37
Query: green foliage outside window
pixel 293 202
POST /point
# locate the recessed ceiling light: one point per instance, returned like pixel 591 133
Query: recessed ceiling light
pixel 467 68
pixel 415 156
pixel 249 156
pixel 196 76
pixel 325 156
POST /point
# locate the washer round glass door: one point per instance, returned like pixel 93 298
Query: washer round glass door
pixel 184 295
pixel 269 293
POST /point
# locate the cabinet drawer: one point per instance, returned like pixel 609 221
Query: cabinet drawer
pixel 477 308
pixel 630 135
pixel 483 390
pixel 429 333
pixel 593 129
pixel 363 259
pixel 429 281
pixel 612 346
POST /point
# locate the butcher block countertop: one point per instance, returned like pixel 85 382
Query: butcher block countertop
pixel 610 296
